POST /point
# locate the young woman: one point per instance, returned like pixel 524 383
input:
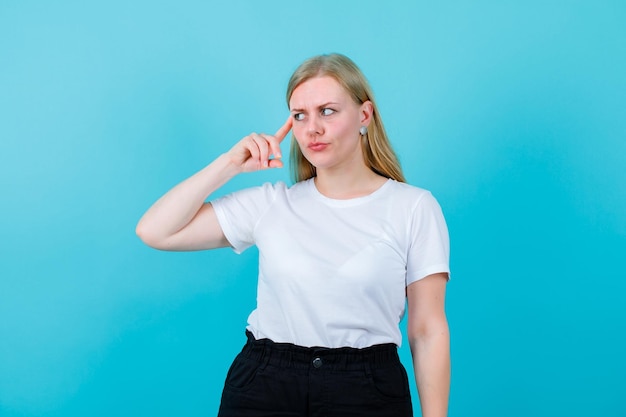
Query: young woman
pixel 340 253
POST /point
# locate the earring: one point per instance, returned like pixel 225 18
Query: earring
pixel 363 130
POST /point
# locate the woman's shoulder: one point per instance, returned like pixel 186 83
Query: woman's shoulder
pixel 278 190
pixel 268 190
pixel 406 190
pixel 281 188
pixel 413 197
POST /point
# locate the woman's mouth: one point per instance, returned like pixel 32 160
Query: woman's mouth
pixel 317 146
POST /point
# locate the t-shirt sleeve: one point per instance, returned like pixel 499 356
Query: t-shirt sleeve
pixel 429 251
pixel 238 213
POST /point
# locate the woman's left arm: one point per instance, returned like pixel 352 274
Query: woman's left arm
pixel 429 338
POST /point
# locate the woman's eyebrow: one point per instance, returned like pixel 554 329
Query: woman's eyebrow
pixel 321 106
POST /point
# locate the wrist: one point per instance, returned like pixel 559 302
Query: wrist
pixel 226 165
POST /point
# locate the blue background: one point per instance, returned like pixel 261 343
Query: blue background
pixel 511 112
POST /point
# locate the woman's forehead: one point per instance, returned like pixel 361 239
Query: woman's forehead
pixel 317 91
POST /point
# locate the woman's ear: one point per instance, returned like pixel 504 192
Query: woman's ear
pixel 367 111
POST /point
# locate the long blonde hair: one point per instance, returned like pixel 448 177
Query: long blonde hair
pixel 377 151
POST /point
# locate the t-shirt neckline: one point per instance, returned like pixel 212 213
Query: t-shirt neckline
pixel 348 201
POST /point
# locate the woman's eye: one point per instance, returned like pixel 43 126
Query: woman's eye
pixel 298 116
pixel 327 112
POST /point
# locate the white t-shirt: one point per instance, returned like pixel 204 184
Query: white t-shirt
pixel 333 273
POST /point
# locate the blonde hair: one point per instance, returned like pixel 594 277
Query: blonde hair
pixel 377 151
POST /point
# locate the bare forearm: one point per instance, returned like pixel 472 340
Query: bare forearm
pixel 180 220
pixel 431 363
pixel 178 206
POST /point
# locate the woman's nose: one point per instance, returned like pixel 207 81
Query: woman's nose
pixel 314 126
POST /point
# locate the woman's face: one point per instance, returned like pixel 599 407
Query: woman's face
pixel 326 123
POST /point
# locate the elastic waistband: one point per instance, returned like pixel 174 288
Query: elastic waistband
pixel 345 358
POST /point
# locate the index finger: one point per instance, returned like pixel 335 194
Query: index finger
pixel 282 132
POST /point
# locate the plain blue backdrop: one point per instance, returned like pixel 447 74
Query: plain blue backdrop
pixel 511 112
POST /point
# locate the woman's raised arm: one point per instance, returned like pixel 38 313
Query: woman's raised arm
pixel 182 220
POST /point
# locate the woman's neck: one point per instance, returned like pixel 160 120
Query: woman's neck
pixel 346 185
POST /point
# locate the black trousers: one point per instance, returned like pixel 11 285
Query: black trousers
pixel 270 379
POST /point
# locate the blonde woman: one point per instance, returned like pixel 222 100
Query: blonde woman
pixel 341 252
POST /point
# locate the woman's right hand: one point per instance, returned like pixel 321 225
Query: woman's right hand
pixel 255 151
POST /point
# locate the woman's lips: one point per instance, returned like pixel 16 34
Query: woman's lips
pixel 317 146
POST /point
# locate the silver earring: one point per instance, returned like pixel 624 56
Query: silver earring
pixel 363 130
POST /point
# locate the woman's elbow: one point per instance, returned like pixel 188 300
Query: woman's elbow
pixel 435 327
pixel 148 236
